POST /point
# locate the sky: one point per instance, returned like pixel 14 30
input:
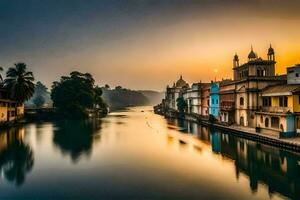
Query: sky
pixel 145 44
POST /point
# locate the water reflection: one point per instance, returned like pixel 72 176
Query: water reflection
pixel 16 157
pixel 76 138
pixel 141 155
pixel 277 168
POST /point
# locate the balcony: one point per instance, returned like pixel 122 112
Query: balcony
pixel 276 109
pixel 227 105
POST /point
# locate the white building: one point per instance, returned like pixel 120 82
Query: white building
pixel 293 74
pixel 174 92
pixel 193 98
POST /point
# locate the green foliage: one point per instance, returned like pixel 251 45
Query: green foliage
pixel 40 91
pixel 181 104
pixel 76 93
pixel 16 159
pixel 19 83
pixel 39 101
pixel 121 97
pixel 118 88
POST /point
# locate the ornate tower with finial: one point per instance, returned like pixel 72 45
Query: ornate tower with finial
pixel 236 64
pixel 236 61
pixel 252 55
pixel 271 53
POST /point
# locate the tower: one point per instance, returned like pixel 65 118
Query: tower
pixel 271 53
pixel 236 61
pixel 252 55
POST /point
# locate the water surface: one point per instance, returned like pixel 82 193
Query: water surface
pixel 135 154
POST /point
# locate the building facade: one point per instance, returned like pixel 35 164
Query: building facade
pixel 280 109
pixel 192 96
pixel 293 74
pixel 227 102
pixel 9 110
pixel 214 99
pixel 250 79
pixel 205 96
pixel 172 93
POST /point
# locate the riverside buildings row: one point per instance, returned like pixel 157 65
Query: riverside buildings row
pixel 255 98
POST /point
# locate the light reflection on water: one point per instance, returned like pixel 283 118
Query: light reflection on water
pixel 135 154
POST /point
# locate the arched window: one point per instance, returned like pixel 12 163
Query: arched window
pixel 267 122
pixel 258 72
pixel 241 101
pixel 264 73
pixel 242 121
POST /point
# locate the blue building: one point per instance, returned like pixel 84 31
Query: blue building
pixel 214 99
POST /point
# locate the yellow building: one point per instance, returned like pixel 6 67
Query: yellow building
pixel 279 109
pixel 9 110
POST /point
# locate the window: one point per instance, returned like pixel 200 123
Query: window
pixel 275 122
pixel 216 101
pixel 267 122
pixel 258 72
pixel 213 101
pixel 242 121
pixel 266 101
pixel 241 101
pixel 297 74
pixel 208 102
pixel 283 101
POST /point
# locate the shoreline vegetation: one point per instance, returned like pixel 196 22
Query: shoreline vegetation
pixel 73 96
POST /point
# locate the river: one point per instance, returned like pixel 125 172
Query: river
pixel 135 154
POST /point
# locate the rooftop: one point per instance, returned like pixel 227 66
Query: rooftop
pixel 281 90
pixel 258 61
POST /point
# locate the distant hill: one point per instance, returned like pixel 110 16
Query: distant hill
pixel 154 97
pixel 122 97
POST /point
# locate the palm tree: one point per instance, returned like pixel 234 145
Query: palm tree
pixel 19 83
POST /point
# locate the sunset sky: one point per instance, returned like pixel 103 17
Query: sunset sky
pixel 143 44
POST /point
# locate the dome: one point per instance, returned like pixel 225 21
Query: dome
pixel 252 54
pixel 181 83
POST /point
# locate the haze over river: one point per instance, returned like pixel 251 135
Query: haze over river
pixel 136 154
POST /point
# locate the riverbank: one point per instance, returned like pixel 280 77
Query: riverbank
pixel 292 143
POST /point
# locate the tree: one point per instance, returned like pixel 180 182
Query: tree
pixel 118 88
pixel 1 79
pixel 19 83
pixel 16 159
pixel 107 87
pixel 73 95
pixel 39 101
pixel 40 89
pixel 181 104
